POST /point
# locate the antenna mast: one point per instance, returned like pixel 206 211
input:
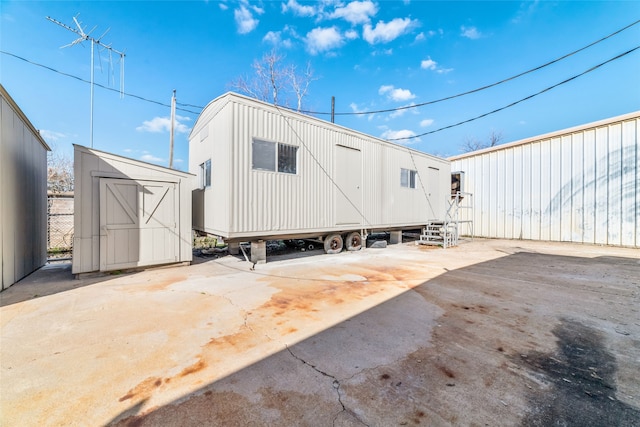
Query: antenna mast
pixel 87 37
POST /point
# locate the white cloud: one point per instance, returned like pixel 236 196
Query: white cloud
pixel 52 136
pixel 526 10
pixel 396 94
pixel 351 34
pixel 275 38
pixel 428 64
pixel 426 122
pixel 420 37
pixel 323 39
pixel 356 12
pixel 298 9
pixel 244 17
pixel 223 6
pixel 354 107
pixel 398 113
pixel 148 157
pixel 272 37
pixel 386 32
pixel 396 134
pixel 470 32
pixel 163 124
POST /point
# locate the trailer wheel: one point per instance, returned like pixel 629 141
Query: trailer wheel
pixel 354 241
pixel 333 244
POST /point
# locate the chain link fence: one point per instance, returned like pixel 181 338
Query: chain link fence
pixel 59 225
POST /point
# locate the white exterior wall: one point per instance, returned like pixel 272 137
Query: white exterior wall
pixel 89 167
pixel 23 194
pixel 576 185
pixel 243 202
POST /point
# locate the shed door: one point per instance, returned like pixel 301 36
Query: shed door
pixel 348 177
pixel 138 223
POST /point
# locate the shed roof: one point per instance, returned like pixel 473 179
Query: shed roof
pixel 621 118
pixel 129 160
pixel 25 119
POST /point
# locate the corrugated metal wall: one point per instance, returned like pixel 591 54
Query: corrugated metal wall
pixel 577 185
pixel 243 202
pixel 23 194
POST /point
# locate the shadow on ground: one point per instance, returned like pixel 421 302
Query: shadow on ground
pixel 467 347
pixel 53 278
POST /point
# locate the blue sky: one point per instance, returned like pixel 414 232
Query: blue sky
pixel 370 55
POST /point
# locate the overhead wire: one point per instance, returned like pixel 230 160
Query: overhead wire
pixel 391 109
pixel 422 104
pixel 98 84
pixel 526 98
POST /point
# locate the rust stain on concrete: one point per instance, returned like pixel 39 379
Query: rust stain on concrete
pixel 192 369
pixel 142 390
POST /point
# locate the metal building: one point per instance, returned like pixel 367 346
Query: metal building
pixel 270 173
pixel 23 194
pixel 128 213
pixel 575 185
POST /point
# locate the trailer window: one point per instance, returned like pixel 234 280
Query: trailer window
pixel 408 178
pixel 205 174
pixel 271 156
pixel 287 156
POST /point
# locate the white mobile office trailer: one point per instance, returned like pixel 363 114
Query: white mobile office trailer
pixel 270 173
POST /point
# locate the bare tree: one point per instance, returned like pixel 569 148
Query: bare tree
pixel 275 82
pixel 59 173
pixel 474 144
pixel 300 83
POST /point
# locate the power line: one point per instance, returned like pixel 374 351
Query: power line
pixel 520 100
pixel 390 110
pixel 98 84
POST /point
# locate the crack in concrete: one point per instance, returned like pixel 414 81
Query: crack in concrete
pixel 335 383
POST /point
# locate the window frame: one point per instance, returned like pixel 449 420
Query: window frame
pixel 205 174
pixel 408 181
pixel 284 157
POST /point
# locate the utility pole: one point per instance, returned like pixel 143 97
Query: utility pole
pixel 333 109
pixel 87 37
pixel 173 121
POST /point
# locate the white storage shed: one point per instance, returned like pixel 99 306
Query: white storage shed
pixel 267 172
pixel 575 185
pixel 23 194
pixel 128 213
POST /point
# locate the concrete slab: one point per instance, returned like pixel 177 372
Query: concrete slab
pixel 491 332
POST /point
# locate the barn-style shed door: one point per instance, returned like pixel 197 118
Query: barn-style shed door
pixel 138 223
pixel 348 177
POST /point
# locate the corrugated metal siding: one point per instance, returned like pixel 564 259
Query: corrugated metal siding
pixel 262 202
pixel 23 195
pixel 581 185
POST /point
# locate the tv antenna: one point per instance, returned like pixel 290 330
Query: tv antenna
pixel 84 36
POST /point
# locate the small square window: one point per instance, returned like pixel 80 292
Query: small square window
pixel 408 178
pixel 264 155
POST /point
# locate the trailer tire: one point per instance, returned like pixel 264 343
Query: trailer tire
pixel 353 241
pixel 333 244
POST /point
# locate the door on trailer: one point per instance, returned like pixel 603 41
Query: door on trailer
pixel 348 177
pixel 436 203
pixel 138 223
